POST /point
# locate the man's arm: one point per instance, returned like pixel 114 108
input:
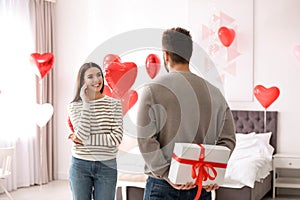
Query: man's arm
pixel 227 135
pixel 148 132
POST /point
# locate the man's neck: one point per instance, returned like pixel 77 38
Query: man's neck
pixel 180 67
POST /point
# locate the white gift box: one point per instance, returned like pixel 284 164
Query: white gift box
pixel 181 173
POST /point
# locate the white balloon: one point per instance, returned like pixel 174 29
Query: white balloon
pixel 44 113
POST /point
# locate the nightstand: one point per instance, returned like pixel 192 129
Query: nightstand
pixel 286 162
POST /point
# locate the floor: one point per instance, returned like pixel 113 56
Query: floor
pixel 283 198
pixel 55 190
pixel 60 190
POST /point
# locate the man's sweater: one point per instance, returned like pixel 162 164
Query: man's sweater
pixel 180 107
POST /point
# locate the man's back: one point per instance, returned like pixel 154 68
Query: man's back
pixel 183 107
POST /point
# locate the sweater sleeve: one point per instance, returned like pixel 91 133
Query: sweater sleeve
pixel 227 136
pixel 148 136
pixel 116 134
pixel 80 118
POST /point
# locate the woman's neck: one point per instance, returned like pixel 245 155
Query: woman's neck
pixel 95 96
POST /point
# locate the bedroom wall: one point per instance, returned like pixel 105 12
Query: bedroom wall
pixel 82 25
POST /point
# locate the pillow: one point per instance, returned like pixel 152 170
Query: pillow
pixel 266 149
pixel 253 145
pixel 264 137
pixel 244 139
pixel 243 136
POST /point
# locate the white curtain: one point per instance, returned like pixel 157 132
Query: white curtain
pixel 42 19
pixel 18 92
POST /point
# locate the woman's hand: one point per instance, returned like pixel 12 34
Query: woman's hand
pixel 83 93
pixel 75 139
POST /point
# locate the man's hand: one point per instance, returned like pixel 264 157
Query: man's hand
pixel 210 187
pixel 186 186
pixel 191 185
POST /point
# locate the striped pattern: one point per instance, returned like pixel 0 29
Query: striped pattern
pixel 99 126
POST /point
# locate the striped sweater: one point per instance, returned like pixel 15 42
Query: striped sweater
pixel 99 124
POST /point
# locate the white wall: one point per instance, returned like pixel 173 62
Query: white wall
pixel 276 32
pixel 82 25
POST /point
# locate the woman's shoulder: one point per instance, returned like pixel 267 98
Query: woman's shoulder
pixel 75 104
pixel 111 99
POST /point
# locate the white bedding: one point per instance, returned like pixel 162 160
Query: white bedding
pixel 250 161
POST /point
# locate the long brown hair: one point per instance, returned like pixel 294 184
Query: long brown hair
pixel 80 79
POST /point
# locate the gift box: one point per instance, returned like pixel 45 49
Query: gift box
pixel 198 163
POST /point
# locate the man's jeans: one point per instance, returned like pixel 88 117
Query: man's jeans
pixel 160 189
pixel 93 179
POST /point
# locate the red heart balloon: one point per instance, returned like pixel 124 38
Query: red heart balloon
pixel 120 77
pixel 70 125
pixel 44 62
pixel 128 100
pixel 107 91
pixel 110 58
pixel 226 35
pixel 152 65
pixel 266 96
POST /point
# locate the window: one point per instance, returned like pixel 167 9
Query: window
pixel 17 78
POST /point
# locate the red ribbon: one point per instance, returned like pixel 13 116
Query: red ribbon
pixel 203 166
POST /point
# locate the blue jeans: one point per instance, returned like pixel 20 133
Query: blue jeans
pixel 157 189
pixel 93 179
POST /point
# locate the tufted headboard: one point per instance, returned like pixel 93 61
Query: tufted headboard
pixel 253 121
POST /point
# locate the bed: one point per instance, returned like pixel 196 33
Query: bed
pixel 248 123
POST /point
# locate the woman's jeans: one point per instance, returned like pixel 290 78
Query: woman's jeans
pixel 93 179
pixel 157 189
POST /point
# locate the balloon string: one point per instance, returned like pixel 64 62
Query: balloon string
pixel 265 120
pixel 40 91
pixel 41 133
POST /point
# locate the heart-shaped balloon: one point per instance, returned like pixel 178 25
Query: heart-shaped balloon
pixel 128 100
pixel 297 51
pixel 70 125
pixel 266 96
pixel 226 35
pixel 110 58
pixel 44 113
pixel 152 65
pixel 107 91
pixel 120 77
pixel 43 62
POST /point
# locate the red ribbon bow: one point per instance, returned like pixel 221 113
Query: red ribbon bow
pixel 203 169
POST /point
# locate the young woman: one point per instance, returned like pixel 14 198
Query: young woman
pixel 98 127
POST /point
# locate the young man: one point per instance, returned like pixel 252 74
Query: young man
pixel 179 107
